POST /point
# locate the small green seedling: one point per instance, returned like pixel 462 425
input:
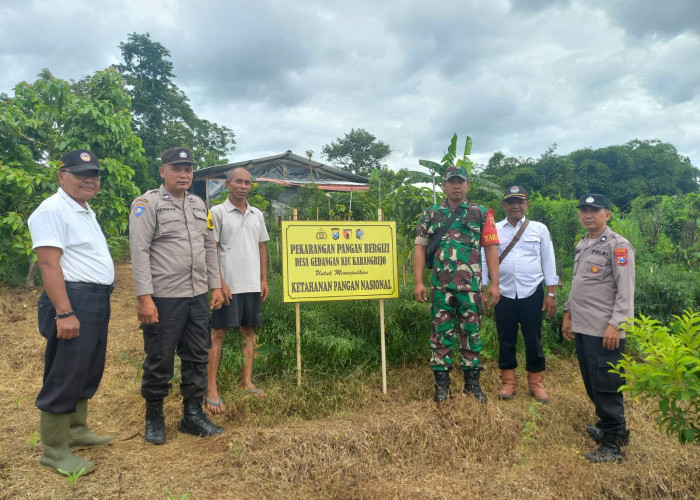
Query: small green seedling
pixel 33 439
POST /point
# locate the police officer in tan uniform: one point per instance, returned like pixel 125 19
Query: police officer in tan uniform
pixel 174 264
pixel 601 299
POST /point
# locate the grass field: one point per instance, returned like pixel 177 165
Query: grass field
pixel 337 437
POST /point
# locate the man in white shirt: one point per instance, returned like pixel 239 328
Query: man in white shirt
pixel 73 311
pixel 240 233
pixel 524 265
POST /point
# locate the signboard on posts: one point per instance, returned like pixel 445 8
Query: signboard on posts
pixel 338 261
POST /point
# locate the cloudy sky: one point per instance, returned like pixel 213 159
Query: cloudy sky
pixel 516 75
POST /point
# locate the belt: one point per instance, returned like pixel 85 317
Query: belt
pixel 90 287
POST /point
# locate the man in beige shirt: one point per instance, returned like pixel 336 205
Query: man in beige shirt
pixel 601 299
pixel 174 264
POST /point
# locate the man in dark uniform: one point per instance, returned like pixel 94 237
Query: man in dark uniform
pixel 456 279
pixel 601 299
pixel 174 264
pixel 74 310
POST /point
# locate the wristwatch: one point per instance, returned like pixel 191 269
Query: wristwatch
pixel 553 295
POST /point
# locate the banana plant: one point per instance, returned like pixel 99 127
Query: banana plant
pixel 437 170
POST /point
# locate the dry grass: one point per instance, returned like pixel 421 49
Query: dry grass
pixel 337 439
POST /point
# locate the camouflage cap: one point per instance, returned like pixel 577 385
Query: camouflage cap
pixel 454 171
pixel 594 200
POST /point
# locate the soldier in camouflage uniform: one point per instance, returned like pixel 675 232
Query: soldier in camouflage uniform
pixel 456 281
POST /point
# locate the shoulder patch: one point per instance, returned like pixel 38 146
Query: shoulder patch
pixel 138 210
pixel 621 256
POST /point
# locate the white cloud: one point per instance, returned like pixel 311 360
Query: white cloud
pixel 516 75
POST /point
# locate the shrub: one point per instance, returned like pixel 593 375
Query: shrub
pixel 661 293
pixel 669 371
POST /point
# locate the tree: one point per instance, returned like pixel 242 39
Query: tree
pixel 358 152
pixel 44 120
pixel 163 117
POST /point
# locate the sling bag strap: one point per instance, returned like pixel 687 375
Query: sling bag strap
pixel 437 237
pixel 513 241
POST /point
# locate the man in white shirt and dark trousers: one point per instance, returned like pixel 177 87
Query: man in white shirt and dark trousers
pixel 526 259
pixel 73 311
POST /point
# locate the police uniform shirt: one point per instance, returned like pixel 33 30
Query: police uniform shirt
pixel 61 222
pixel 602 289
pixel 529 262
pixel 239 234
pixel 173 251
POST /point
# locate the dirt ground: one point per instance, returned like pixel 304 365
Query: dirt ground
pixel 396 446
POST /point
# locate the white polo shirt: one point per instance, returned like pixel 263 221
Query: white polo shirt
pixel 61 222
pixel 530 261
pixel 239 234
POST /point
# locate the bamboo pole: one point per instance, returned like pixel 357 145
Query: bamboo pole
pixel 381 326
pixel 298 327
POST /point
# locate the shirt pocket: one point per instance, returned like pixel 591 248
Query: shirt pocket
pixel 596 267
pixel 200 218
pixel 169 223
pixel 531 242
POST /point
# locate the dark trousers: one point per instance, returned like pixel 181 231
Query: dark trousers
pixel 183 327
pixel 73 368
pixel 527 313
pixel 601 385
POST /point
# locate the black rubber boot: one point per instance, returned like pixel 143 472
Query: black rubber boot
pixel 471 384
pixel 609 449
pixel 442 385
pixel 155 422
pixel 195 422
pixel 596 434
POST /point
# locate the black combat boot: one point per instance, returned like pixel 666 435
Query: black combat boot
pixel 155 422
pixel 195 422
pixel 471 384
pixel 442 385
pixel 596 434
pixel 609 449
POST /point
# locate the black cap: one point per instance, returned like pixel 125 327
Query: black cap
pixel 174 156
pixel 79 160
pixel 515 192
pixel 594 200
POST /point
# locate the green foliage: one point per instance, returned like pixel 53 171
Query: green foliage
pixel 72 477
pixel 33 439
pixel 647 168
pixel 669 371
pixel 665 229
pixel 44 120
pixel 664 292
pixel 163 117
pixel 359 152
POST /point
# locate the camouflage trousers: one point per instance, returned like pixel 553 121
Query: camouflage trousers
pixel 453 312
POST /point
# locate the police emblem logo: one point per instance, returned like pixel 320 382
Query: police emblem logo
pixel 590 199
pixel 321 234
pixel 85 156
pixel 183 154
pixel 335 233
pixel 515 189
pixel 138 210
pixel 621 256
pixel 603 239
